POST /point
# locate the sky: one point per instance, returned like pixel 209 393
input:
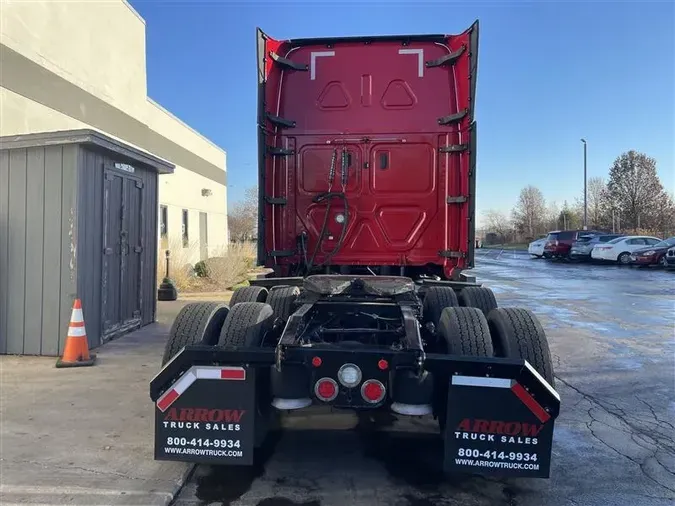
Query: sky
pixel 549 73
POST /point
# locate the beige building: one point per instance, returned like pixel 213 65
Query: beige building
pixel 72 65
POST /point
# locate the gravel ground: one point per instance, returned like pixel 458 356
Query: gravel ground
pixel 611 335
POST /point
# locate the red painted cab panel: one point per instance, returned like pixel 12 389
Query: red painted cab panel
pixel 367 152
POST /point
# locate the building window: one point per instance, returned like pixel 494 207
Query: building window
pixel 186 236
pixel 164 226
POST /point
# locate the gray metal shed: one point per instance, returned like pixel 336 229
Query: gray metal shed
pixel 78 219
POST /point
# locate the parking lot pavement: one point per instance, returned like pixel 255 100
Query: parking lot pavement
pixel 611 333
pixel 84 436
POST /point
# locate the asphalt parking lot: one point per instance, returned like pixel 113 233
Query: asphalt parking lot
pixel 611 333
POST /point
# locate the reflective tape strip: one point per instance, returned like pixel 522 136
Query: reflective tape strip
pixel 529 401
pixel 166 400
pixel 543 381
pixel 195 373
pixel 77 316
pixel 475 381
pixel 77 332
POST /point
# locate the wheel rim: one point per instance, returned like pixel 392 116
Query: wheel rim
pixel 664 262
pixel 624 258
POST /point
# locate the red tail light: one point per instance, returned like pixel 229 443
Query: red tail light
pixel 326 389
pixel 372 391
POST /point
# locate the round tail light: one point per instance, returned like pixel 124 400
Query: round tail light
pixel 326 389
pixel 372 391
pixel 349 375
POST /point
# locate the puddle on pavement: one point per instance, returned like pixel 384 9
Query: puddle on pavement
pixel 416 460
pixel 225 484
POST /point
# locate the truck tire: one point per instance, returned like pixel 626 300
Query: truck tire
pixel 466 332
pixel 248 294
pixel 246 324
pixel 517 333
pixel 196 323
pixel 436 299
pixel 282 299
pixel 478 297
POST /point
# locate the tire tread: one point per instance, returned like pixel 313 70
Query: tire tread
pixel 436 299
pixel 248 294
pixel 282 299
pixel 190 327
pixel 466 332
pixel 527 337
pixel 478 297
pixel 246 324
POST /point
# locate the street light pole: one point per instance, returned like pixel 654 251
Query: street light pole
pixel 585 194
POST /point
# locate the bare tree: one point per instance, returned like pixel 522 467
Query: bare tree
pixel 242 219
pixel 528 215
pixel 570 218
pixel 552 215
pixel 636 189
pixel 498 223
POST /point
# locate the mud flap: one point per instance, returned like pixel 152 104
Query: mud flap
pixel 207 416
pixel 496 427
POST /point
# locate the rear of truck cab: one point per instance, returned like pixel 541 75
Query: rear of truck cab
pixel 367 154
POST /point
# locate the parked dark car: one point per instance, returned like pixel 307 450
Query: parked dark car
pixel 670 258
pixel 559 243
pixel 653 255
pixel 582 247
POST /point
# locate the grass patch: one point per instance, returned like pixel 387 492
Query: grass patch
pixel 507 246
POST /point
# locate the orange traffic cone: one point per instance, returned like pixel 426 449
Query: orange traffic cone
pixel 76 351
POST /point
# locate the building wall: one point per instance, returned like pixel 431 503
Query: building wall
pixel 98 46
pixel 69 65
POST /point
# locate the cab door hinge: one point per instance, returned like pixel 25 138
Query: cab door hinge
pixel 279 151
pixel 446 253
pixel 448 59
pixel 285 62
pixel 453 148
pixel 456 200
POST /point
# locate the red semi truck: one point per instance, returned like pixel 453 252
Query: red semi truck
pixel 367 167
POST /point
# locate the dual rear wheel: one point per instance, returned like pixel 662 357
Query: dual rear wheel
pixel 251 313
pixel 472 325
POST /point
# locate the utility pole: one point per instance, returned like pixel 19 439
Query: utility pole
pixel 585 194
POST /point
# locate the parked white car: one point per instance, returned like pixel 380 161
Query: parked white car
pixel 619 249
pixel 536 248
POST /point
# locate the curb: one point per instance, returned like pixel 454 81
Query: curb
pixel 180 484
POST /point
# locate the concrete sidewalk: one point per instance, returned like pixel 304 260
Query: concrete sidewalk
pixel 84 436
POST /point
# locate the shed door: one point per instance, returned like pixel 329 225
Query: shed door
pixel 122 253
